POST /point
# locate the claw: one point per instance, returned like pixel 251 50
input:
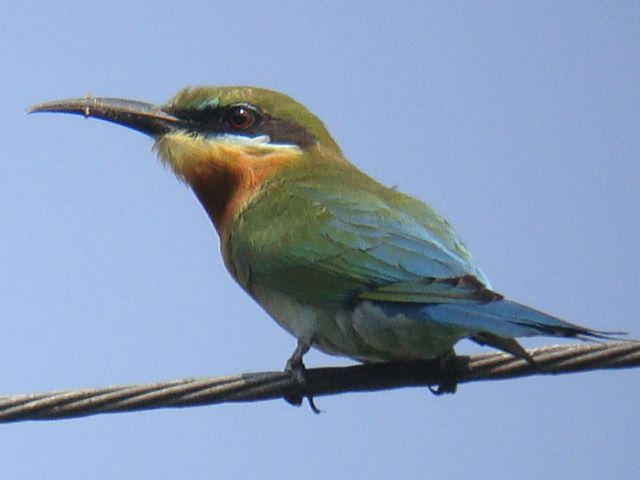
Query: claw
pixel 295 367
pixel 447 375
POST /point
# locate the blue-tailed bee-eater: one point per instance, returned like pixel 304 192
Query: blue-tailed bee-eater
pixel 340 261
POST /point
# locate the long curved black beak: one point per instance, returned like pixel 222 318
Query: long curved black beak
pixel 141 116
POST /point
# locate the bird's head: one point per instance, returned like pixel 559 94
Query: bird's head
pixel 225 142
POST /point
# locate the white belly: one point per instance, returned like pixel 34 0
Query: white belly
pixel 365 333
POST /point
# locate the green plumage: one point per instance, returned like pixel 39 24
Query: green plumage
pixel 334 234
pixel 340 261
pixel 275 104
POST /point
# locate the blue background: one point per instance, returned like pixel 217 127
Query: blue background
pixel 519 122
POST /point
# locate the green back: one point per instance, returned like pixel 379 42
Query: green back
pixel 333 234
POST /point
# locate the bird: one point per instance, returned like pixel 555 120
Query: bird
pixel 342 262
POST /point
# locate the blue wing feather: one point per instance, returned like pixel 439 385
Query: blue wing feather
pixel 374 244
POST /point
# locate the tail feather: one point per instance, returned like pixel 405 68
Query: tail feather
pixel 570 330
pixel 500 318
pixel 510 319
pixel 508 345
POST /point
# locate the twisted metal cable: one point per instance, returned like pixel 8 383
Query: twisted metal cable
pixel 249 387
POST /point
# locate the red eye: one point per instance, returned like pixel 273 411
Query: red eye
pixel 241 117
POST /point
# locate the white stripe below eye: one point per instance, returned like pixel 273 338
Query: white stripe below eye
pixel 240 139
pixel 258 141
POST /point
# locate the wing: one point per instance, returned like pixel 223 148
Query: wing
pixel 346 240
pixel 343 236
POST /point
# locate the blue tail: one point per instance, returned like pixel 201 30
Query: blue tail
pixel 507 319
pixel 497 322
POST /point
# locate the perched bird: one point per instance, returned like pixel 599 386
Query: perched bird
pixel 340 261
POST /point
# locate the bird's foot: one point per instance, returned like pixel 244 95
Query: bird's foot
pixel 447 376
pixel 295 367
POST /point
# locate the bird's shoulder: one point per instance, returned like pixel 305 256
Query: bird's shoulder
pixel 338 232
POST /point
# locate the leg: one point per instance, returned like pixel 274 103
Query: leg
pixel 447 375
pixel 295 367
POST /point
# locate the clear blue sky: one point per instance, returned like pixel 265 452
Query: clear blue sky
pixel 520 122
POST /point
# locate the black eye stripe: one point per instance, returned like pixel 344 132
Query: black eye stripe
pixel 214 119
pixel 217 120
